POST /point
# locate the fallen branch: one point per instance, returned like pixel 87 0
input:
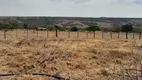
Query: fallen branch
pixel 35 74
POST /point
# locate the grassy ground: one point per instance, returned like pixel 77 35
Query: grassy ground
pixel 79 59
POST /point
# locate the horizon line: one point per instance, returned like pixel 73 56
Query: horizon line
pixel 71 16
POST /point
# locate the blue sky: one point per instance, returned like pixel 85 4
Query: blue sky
pixel 72 8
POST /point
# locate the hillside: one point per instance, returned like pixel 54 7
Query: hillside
pixel 72 21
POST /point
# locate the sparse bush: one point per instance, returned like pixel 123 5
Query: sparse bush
pixel 51 28
pixel 117 28
pixel 34 27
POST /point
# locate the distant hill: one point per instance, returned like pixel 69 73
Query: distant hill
pixel 72 21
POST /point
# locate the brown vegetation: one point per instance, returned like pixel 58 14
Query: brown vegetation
pixel 79 59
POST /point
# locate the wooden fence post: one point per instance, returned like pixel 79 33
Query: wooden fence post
pixel 141 72
pixel 87 34
pixel 140 35
pixel 27 33
pixel 24 31
pixel 94 34
pixel 126 35
pixel 111 35
pixel 137 76
pixel 16 33
pixel 56 33
pixel 123 75
pixel 5 33
pixel 77 34
pixel 133 35
pixel 68 33
pixel 47 35
pixel 118 35
pixel 102 34
pixel 37 33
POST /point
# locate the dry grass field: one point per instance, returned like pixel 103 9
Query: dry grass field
pixel 77 59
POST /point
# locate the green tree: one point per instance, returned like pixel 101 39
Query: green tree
pixel 74 28
pixel 93 28
pixel 8 25
pixel 127 28
pixel 3 26
pixel 25 26
pixel 13 25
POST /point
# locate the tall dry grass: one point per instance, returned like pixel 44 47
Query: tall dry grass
pixel 77 59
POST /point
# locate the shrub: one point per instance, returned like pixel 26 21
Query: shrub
pixel 51 28
pixel 34 27
pixel 137 30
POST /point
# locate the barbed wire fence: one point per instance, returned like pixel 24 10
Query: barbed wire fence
pixel 66 34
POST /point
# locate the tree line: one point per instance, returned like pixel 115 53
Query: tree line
pixel 122 28
pixel 8 25
pixel 127 28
